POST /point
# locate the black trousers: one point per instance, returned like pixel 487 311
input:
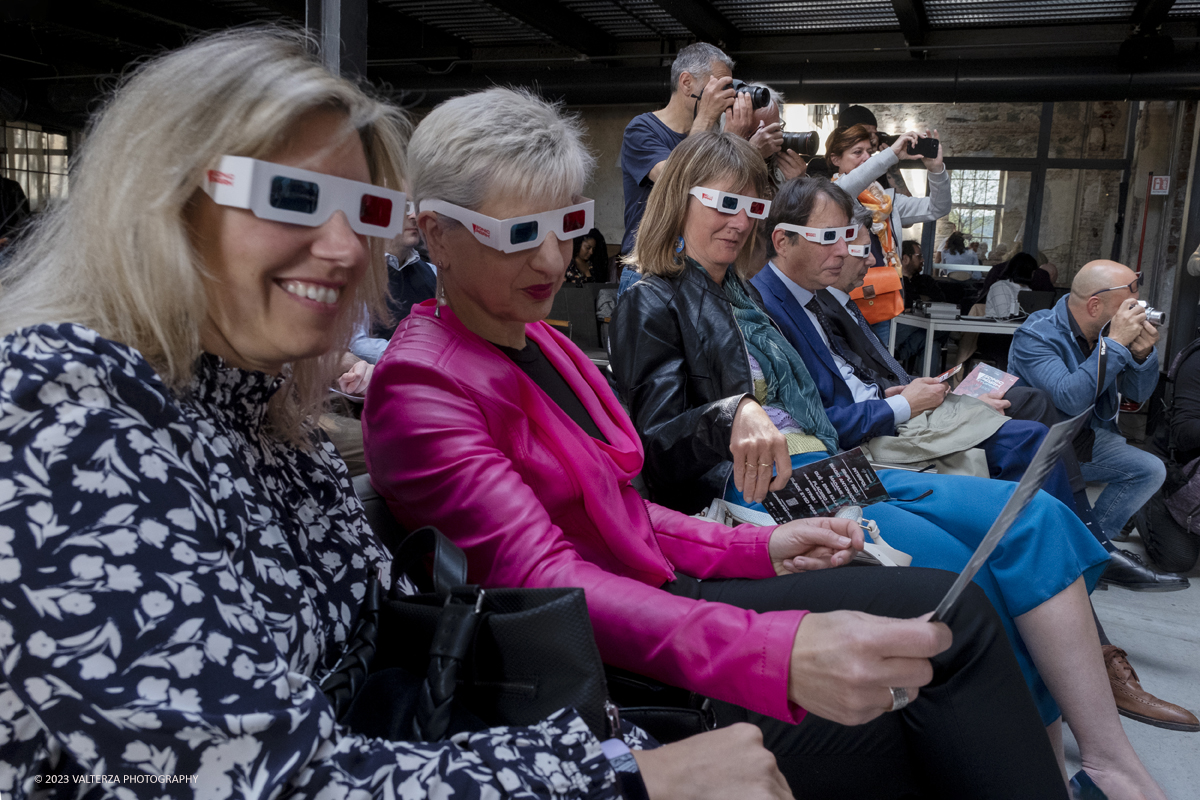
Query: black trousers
pixel 1035 405
pixel 972 732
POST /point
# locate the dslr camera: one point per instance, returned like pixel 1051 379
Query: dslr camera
pixel 1153 315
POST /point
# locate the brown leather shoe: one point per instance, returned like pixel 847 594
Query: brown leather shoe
pixel 1136 703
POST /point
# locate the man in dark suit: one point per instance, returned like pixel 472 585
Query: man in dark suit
pixel 865 403
pixel 860 344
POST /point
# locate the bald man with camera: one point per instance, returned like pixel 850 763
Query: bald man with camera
pixel 1098 345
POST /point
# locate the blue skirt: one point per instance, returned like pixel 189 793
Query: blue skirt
pixel 1043 553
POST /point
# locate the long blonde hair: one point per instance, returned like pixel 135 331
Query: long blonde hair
pixel 702 159
pixel 116 255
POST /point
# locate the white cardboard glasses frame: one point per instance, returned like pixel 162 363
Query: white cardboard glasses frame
pixel 515 234
pixel 301 197
pixel 730 203
pixel 822 235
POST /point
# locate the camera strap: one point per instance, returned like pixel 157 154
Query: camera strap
pixel 1100 373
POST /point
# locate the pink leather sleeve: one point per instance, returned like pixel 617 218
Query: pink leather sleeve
pixel 705 549
pixel 432 456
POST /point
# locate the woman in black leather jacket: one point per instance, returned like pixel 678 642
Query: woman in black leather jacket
pixel 687 453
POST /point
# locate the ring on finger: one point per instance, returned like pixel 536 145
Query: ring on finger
pixel 899 697
pixel 768 466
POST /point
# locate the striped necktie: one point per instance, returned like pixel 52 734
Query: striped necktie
pixel 892 363
pixel 856 366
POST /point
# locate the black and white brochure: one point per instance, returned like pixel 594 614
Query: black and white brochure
pixel 821 488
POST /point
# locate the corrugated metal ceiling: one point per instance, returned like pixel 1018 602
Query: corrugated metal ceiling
pixel 755 17
pixel 629 19
pixel 480 23
pixel 982 13
pixel 472 21
pixel 1186 8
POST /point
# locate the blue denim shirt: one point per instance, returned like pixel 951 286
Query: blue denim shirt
pixel 1046 355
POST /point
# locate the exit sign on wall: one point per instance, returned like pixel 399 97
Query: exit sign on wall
pixel 1160 184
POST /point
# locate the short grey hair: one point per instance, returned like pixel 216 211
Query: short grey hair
pixel 498 140
pixel 861 216
pixel 696 59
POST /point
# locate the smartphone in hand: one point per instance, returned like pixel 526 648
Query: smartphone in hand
pixel 948 374
pixel 926 148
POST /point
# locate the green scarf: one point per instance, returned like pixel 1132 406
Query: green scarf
pixel 789 386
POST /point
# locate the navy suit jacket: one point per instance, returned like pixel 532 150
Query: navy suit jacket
pixel 855 422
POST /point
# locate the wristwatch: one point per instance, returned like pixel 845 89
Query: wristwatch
pixel 629 777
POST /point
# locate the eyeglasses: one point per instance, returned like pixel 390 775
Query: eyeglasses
pixel 1132 286
pixel 859 250
pixel 822 235
pixel 300 197
pixel 519 233
pixel 410 209
pixel 730 203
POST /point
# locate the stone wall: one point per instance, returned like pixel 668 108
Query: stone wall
pixel 1079 207
pixel 1079 212
pixel 1165 133
pixel 1007 130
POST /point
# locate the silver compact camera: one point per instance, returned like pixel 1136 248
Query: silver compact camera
pixel 1153 315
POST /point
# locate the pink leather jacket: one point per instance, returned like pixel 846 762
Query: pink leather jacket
pixel 457 436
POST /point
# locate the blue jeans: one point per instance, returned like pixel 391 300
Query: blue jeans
pixel 629 276
pixel 883 330
pixel 1132 475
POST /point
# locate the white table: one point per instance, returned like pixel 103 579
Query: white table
pixel 931 326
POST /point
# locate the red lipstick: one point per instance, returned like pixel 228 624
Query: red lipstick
pixel 539 291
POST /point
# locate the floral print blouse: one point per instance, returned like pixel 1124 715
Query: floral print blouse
pixel 174 582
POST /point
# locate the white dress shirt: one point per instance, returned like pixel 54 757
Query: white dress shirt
pixel 862 392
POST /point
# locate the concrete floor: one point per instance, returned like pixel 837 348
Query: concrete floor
pixel 1161 634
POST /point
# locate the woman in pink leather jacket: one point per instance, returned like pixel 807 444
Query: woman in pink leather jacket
pixel 484 421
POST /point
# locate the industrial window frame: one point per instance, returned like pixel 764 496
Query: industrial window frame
pixel 37 159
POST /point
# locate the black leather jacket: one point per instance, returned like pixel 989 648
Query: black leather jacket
pixel 681 368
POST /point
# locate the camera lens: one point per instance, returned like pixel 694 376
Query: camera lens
pixel 759 97
pixel 802 143
pixel 1153 315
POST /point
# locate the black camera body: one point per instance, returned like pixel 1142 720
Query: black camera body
pixel 759 97
pixel 802 143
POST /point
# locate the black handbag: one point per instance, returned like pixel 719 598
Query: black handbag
pixel 458 658
pixel 505 656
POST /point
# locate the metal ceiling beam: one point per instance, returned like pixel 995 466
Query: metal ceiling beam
pixel 1148 15
pixel 561 24
pixel 704 21
pixel 914 24
pixel 909 81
